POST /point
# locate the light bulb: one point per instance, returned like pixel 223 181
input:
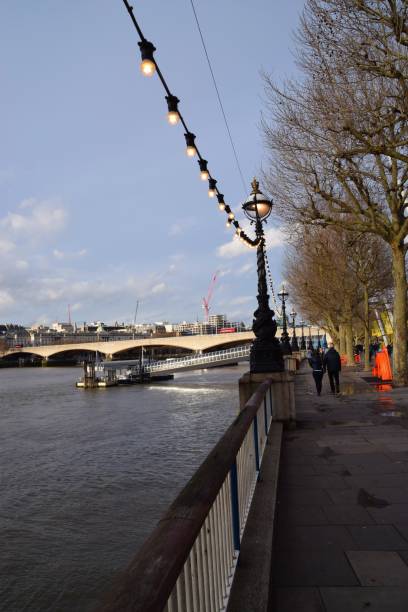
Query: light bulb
pixel 211 193
pixel 191 149
pixel 148 67
pixel 231 216
pixel 204 175
pixel 173 117
pixel 228 224
pixel 221 206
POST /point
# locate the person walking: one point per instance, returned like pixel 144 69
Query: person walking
pixel 316 363
pixel 332 363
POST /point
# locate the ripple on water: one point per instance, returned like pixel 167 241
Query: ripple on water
pixel 86 475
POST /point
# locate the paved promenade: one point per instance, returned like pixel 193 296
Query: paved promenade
pixel 341 537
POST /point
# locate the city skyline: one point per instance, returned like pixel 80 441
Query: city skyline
pixel 100 207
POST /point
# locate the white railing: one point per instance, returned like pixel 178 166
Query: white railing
pixel 188 563
pixel 240 352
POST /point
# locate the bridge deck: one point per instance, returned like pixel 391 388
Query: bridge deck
pixel 341 538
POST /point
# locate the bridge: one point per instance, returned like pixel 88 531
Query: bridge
pixel 113 348
pixel 179 364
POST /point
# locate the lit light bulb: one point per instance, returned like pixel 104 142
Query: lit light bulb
pixel 173 116
pixel 191 148
pixel 204 174
pixel 221 206
pixel 148 67
pixel 228 224
pixel 231 216
pixel 212 188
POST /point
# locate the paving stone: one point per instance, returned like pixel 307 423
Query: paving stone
pixel 368 481
pixel 378 568
pixel 303 515
pixel 291 470
pixel 295 599
pixel 395 513
pixel 364 460
pixel 329 481
pixel 322 568
pixel 303 497
pixel 377 537
pixel 314 537
pixel 403 528
pixel 379 599
pixel 404 555
pixel 347 514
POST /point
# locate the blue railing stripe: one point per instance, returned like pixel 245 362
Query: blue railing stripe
pixel 256 443
pixel 265 416
pixel 235 505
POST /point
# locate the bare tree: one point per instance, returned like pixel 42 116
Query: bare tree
pixel 338 140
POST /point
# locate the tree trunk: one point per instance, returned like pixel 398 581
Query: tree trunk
pixel 366 332
pixel 342 337
pixel 349 344
pixel 400 366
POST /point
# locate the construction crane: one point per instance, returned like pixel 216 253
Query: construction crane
pixel 207 300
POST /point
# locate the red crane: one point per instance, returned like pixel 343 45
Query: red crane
pixel 207 300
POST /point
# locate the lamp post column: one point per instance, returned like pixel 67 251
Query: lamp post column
pixel 286 348
pixel 310 343
pixel 302 341
pixel 294 343
pixel 266 354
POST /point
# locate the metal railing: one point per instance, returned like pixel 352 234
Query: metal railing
pixel 188 562
pixel 238 352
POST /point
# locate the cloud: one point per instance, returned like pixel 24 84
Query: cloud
pixel 65 255
pixel 248 267
pixel 234 248
pixel 243 299
pixel 6 300
pixel 181 226
pixel 159 288
pixel 42 217
pixel 6 246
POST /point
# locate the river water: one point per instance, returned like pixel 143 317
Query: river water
pixel 86 474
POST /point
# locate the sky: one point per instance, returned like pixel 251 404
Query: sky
pixel 99 205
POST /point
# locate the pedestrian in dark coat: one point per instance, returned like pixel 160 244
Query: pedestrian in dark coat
pixel 316 363
pixel 332 363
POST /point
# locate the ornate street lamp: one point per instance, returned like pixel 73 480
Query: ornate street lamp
pixel 302 341
pixel 266 354
pixel 310 343
pixel 286 348
pixel 294 342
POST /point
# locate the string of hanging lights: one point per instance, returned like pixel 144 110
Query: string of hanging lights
pixel 270 281
pixel 149 67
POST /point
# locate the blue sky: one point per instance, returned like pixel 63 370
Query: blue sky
pixel 99 205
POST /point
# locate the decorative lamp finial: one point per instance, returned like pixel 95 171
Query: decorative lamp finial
pixel 255 187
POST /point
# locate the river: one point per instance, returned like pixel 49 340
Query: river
pixel 86 474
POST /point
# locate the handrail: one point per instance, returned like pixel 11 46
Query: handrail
pixel 150 579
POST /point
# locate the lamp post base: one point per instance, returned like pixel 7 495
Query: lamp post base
pixel 266 356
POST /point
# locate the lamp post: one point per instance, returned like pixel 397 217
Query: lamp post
pixel 302 341
pixel 310 343
pixel 286 348
pixel 318 338
pixel 266 354
pixel 294 342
